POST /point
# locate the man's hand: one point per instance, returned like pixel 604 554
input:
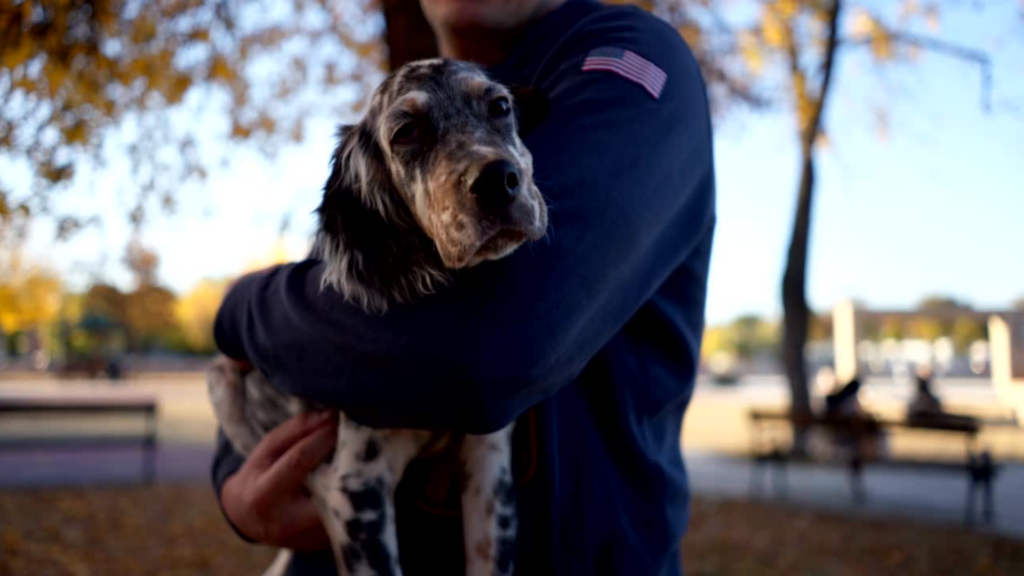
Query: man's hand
pixel 266 499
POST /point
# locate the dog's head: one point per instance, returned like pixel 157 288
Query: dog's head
pixel 434 177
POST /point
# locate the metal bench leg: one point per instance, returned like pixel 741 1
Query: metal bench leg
pixel 969 507
pixel 782 475
pixel 988 510
pixel 987 473
pixel 757 476
pixel 857 482
pixel 149 449
pixel 149 462
pixel 982 471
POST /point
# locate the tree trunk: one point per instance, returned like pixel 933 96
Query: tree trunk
pixel 796 319
pixel 408 35
pixel 794 303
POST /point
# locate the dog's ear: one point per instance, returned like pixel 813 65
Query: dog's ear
pixel 531 106
pixel 359 170
pixel 373 251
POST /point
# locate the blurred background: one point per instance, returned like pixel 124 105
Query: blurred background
pixel 870 162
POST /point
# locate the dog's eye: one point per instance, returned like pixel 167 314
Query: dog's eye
pixel 499 107
pixel 406 133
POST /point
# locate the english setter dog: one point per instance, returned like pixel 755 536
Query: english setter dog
pixel 434 178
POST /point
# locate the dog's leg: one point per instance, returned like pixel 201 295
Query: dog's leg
pixel 226 387
pixel 355 496
pixel 488 504
pixel 280 565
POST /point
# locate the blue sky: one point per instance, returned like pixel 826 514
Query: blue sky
pixel 936 207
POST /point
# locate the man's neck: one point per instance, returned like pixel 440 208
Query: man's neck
pixel 488 46
pixel 484 48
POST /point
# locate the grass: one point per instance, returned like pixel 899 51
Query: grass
pixel 172 530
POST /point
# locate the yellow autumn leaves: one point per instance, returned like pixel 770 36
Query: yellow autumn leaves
pixel 28 296
pixel 69 71
pixel 780 20
pixel 195 311
pixel 793 33
pixel 35 300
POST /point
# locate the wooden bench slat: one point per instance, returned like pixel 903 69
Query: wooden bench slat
pixel 921 423
pixel 949 465
pixel 77 403
pixel 979 467
pixel 99 403
pixel 30 443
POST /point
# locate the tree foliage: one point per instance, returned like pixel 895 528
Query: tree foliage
pixel 941 304
pixel 146 314
pixel 743 338
pixel 966 331
pixel 925 328
pixel 71 71
pixel 195 312
pixel 75 72
pixel 142 262
pixel 29 295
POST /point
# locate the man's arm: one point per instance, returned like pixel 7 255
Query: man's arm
pixel 263 497
pixel 629 180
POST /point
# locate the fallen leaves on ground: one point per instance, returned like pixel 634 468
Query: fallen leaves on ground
pixel 166 530
pixel 177 530
pixel 730 538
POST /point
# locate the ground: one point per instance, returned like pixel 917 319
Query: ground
pixel 732 538
pixel 166 530
pixel 176 529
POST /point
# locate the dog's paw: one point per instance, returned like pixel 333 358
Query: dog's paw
pixel 225 380
pixel 225 383
pixel 224 371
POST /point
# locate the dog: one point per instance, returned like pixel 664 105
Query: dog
pixel 434 178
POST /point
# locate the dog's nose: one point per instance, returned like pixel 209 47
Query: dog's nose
pixel 498 182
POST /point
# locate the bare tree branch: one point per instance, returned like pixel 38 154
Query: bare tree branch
pixel 945 48
pixel 828 64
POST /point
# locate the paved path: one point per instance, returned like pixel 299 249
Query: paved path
pixel 187 427
pixel 51 467
pixel 903 493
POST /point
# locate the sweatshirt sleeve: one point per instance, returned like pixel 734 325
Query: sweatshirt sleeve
pixel 225 463
pixel 630 186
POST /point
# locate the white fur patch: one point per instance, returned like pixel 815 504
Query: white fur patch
pixel 486 460
pixel 417 97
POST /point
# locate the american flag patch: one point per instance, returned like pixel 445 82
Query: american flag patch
pixel 630 66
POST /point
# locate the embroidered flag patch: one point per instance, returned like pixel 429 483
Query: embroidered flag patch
pixel 630 66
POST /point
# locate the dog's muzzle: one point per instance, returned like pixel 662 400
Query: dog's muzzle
pixel 496 186
pixel 504 207
pixel 504 200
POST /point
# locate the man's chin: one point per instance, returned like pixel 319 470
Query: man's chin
pixel 476 15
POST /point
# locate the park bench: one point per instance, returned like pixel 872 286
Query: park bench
pixel 90 405
pixel 977 464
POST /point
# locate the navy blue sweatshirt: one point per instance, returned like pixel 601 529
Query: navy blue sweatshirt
pixel 588 338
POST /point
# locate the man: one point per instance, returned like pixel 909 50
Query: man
pixel 589 338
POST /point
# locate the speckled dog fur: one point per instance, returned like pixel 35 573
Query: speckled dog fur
pixel 402 207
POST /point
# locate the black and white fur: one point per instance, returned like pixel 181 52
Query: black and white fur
pixel 434 178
